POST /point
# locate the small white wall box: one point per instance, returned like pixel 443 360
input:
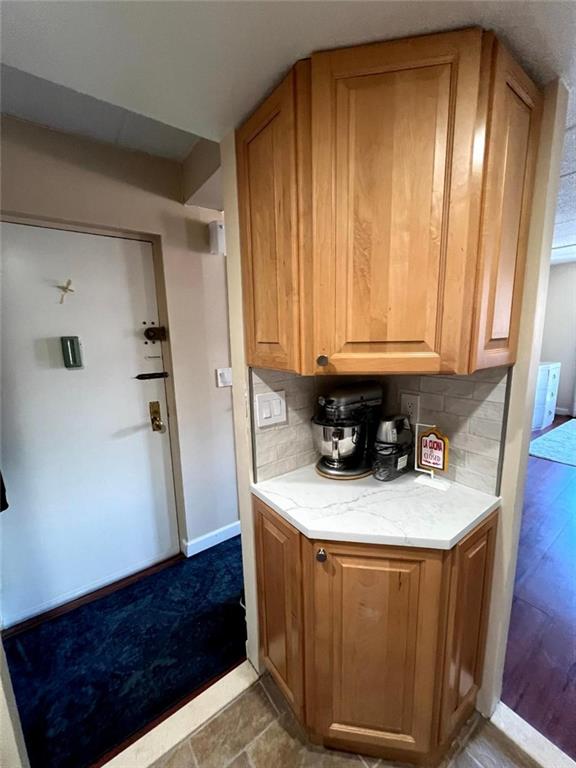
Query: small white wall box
pixel 223 377
pixel 217 238
pixel 270 408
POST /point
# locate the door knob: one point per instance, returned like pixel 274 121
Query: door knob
pixel 322 360
pixel 156 417
pixel 321 555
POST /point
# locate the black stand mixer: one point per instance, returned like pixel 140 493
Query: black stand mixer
pixel 344 426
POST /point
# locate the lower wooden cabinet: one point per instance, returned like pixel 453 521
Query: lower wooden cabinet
pixel 372 614
pixel 379 649
pixel 470 566
pixel 279 574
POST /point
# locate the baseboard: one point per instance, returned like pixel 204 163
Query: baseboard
pixel 66 600
pixel 537 746
pixel 199 544
pixel 563 412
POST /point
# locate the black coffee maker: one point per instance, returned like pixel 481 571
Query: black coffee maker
pixel 393 451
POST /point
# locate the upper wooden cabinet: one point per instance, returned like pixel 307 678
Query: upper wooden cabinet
pixel 513 122
pixel 270 150
pixel 399 243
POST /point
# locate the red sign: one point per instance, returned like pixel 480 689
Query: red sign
pixel 433 450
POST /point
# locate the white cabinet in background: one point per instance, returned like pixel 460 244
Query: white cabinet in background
pixel 546 395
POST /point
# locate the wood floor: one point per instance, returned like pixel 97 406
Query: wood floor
pixel 540 671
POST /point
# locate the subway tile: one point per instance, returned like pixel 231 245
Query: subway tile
pixel 490 374
pixel 474 408
pixel 457 456
pixel 482 464
pixel 447 385
pixel 475 444
pixel 475 480
pixel 298 400
pixel 282 466
pixel 269 377
pixel 448 422
pixel 295 447
pixel 431 402
pixel 461 406
pixel 486 428
pixel 490 391
pixel 301 416
pixel 265 454
pixel 406 383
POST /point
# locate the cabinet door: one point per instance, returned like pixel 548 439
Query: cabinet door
pixel 469 602
pixel 512 136
pixel 267 196
pixel 372 622
pixel 279 573
pixel 395 178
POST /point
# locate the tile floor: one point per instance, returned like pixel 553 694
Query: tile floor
pixel 257 730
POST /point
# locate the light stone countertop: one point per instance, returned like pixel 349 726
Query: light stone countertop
pixel 402 512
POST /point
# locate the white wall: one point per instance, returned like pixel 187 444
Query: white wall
pixel 91 487
pixel 559 343
pixel 47 176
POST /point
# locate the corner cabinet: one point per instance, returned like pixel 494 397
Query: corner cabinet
pixel 390 639
pixel 384 193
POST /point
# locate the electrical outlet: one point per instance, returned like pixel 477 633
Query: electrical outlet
pixel 410 406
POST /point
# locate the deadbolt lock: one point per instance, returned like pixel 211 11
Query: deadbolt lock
pixel 156 417
pixel 155 333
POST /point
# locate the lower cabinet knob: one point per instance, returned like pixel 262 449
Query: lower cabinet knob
pixel 322 360
pixel 321 555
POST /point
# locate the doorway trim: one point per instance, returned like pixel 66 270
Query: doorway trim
pixel 523 389
pixel 155 241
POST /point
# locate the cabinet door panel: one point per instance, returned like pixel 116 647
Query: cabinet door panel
pixel 512 142
pixel 280 601
pixel 470 584
pixel 394 180
pixel 266 154
pixel 374 614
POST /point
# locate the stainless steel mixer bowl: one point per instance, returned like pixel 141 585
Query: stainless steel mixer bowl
pixel 336 443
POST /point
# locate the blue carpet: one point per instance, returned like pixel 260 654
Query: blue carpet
pixel 88 680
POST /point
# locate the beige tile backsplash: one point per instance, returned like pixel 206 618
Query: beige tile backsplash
pixel 470 409
pixel 284 447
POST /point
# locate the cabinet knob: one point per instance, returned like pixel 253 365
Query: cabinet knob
pixel 322 360
pixel 321 555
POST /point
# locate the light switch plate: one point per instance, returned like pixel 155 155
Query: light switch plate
pixel 223 377
pixel 270 408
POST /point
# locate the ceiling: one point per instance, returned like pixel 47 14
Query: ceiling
pixel 63 109
pixel 201 67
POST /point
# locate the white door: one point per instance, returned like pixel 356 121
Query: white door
pixel 89 483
